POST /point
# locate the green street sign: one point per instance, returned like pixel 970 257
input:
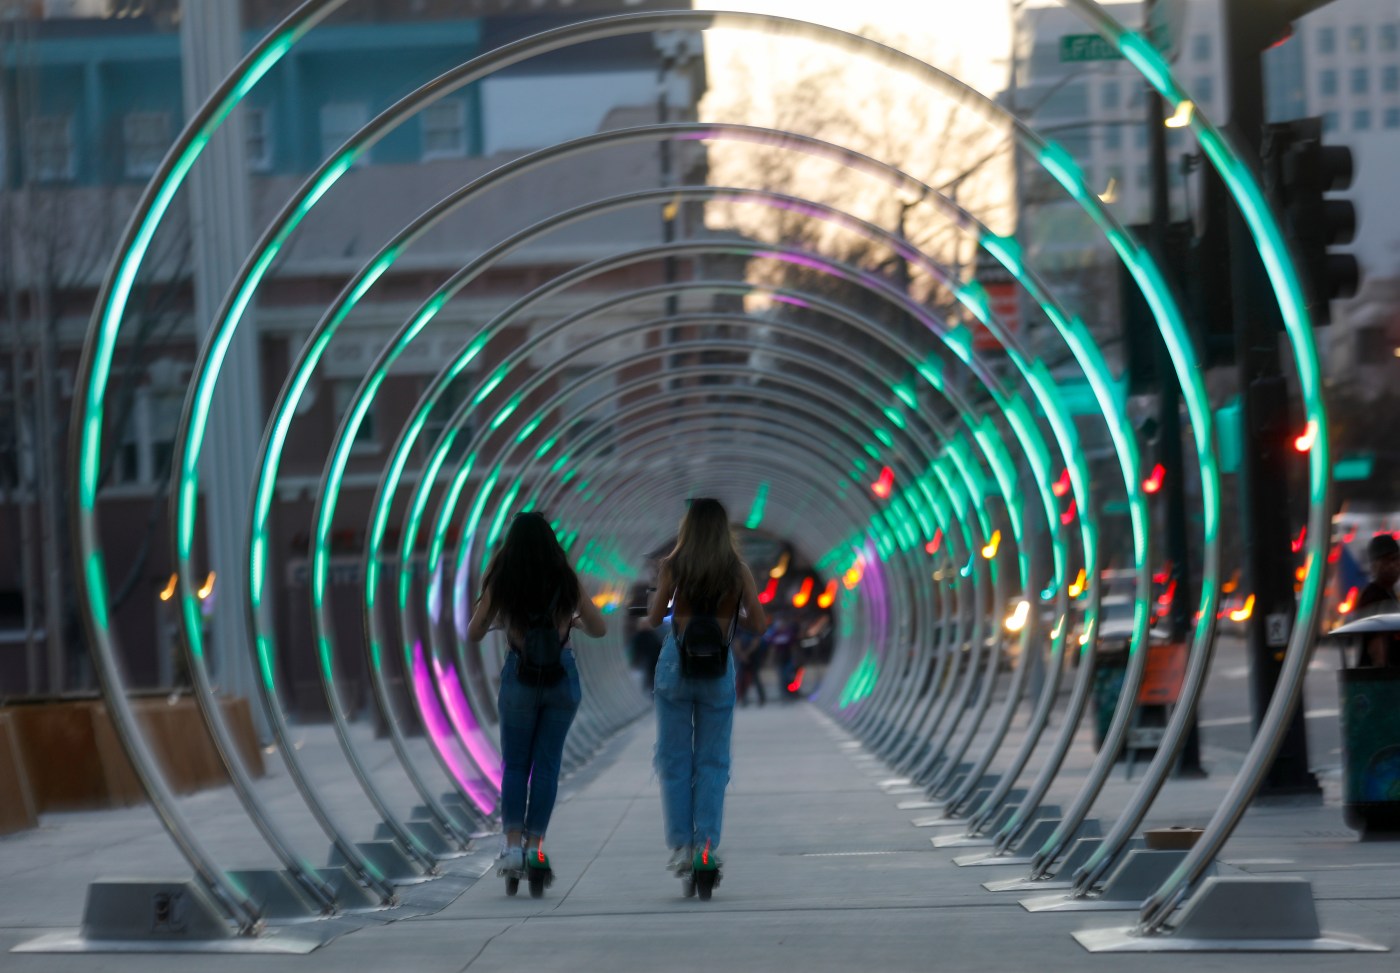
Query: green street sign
pixel 1087 47
pixel 1091 47
pixel 1356 467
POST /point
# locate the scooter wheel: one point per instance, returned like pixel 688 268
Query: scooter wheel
pixel 512 886
pixel 536 884
pixel 705 884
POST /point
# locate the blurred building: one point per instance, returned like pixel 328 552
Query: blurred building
pixel 90 99
pixel 1342 63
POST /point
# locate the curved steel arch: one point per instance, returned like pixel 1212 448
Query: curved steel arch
pixel 95 568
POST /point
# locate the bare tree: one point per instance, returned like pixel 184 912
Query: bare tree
pixel 55 242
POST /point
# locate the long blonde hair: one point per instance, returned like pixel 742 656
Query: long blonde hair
pixel 705 561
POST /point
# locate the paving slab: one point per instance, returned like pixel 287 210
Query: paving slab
pixel 823 872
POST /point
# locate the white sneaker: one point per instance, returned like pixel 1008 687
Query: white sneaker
pixel 680 859
pixel 510 860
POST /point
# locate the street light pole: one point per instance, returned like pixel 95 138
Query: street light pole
pixel 1264 465
pixel 1173 490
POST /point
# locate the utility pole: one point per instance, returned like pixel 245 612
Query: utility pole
pixel 1264 466
pixel 210 46
pixel 1173 488
pixel 673 48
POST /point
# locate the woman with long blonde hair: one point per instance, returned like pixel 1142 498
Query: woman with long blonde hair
pixel 705 583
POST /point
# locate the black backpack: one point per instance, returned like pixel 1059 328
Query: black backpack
pixel 704 646
pixel 541 654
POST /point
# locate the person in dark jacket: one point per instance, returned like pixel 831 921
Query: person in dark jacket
pixel 1378 598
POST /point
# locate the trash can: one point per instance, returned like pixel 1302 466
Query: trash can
pixel 1109 670
pixel 1370 715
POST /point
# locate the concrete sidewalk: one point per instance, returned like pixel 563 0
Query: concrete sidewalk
pixel 823 872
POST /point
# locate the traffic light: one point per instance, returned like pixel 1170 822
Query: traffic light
pixel 1299 171
pixel 1199 268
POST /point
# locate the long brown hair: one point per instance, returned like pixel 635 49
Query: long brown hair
pixel 705 561
pixel 529 570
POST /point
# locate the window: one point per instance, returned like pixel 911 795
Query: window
pixel 1392 118
pixel 259 135
pixel 1144 177
pixel 366 438
pixel 1326 40
pixel 1356 39
pixel 145 137
pixel 1389 37
pixel 1140 137
pixel 339 121
pixel 1390 78
pixel 1360 80
pixel 1110 95
pixel 1327 82
pixel 444 130
pixel 446 406
pixel 147 443
pixel 1113 137
pixel 1200 47
pixel 1330 121
pixel 1205 89
pixel 49 148
pixel 1361 120
pixel 1071 101
pixel 591 405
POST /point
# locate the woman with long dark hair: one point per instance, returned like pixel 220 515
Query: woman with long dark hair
pixel 705 583
pixel 528 584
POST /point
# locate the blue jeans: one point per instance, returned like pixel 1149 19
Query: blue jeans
pixel 534 722
pixel 694 721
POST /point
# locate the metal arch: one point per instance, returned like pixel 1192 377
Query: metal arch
pixel 786 439
pixel 759 394
pixel 1244 186
pixel 799 462
pixel 518 395
pixel 618 364
pixel 539 377
pixel 633 447
pixel 328 492
pixel 969 546
pixel 756 468
pixel 85 447
pixel 363 142
pixel 468 532
pixel 760 458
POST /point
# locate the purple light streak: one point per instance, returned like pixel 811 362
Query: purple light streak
pixel 477 788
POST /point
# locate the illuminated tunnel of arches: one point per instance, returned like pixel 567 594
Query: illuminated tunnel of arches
pixel 915 475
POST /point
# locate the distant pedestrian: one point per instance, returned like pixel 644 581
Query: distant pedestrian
pixel 1378 598
pixel 782 636
pixel 645 650
pixel 750 650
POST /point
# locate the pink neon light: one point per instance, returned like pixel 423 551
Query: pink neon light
pixel 459 711
pixel 436 723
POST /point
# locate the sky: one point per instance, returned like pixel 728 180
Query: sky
pixel 974 32
pixel 804 86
